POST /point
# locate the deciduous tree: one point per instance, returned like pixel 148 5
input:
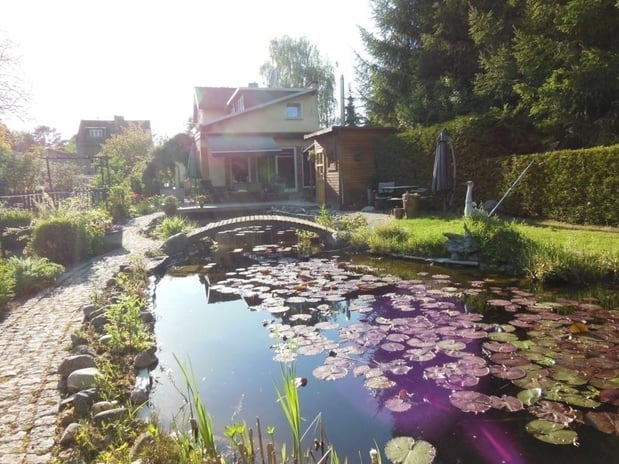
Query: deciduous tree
pixel 297 63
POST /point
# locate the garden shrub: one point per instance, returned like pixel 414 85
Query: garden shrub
pixel 172 225
pixel 62 240
pixel 14 228
pixel 33 274
pixel 499 241
pixel 119 200
pixel 7 282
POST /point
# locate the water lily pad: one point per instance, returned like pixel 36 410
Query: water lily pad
pixel 397 404
pixel 555 412
pixel 509 403
pixel 450 345
pixel 503 336
pixel 498 347
pixel 419 354
pixel 379 382
pixel 509 373
pixel 392 346
pixel 330 372
pixel 407 450
pixel 327 325
pixel 551 432
pixel 530 396
pixel 606 422
pixel 470 401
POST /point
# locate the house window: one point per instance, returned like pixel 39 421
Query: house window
pixel 293 111
pixel 96 132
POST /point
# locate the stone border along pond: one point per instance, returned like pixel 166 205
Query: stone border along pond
pixel 79 375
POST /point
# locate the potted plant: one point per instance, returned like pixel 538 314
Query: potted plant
pixel 113 237
pixel 202 200
pixel 170 205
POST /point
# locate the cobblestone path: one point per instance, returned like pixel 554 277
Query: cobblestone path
pixel 33 341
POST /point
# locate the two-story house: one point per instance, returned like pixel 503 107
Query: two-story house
pixel 92 134
pixel 250 140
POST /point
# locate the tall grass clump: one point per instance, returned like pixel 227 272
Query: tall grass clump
pixel 556 265
pixel 172 225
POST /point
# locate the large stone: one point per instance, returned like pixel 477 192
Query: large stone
pixel 109 415
pixel 73 363
pixel 82 348
pixel 145 360
pixel 103 406
pixel 88 309
pixel 82 401
pixel 175 244
pixel 69 434
pixel 147 317
pixel 82 379
pixel 99 322
pixel 142 442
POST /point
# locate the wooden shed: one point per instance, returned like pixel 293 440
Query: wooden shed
pixel 344 163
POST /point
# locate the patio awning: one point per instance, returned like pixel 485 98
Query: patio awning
pixel 220 144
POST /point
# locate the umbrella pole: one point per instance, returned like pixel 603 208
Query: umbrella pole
pixel 510 188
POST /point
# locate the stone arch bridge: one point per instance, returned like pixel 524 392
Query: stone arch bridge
pixel 326 233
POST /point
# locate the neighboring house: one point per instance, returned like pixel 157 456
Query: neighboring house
pixel 344 161
pixel 250 140
pixel 92 134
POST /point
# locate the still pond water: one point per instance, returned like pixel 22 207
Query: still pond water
pixel 485 371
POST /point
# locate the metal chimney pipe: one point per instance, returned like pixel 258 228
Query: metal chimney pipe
pixel 342 115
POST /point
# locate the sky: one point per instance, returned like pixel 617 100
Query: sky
pixel 141 59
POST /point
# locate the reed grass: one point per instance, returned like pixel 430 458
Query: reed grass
pixel 201 422
pixel 288 399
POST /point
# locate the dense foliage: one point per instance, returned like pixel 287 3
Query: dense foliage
pixel 555 64
pixel 297 63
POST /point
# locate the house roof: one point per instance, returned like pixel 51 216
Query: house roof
pixel 254 98
pixel 281 97
pixel 113 126
pixel 213 97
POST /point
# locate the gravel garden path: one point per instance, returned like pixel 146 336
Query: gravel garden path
pixel 33 340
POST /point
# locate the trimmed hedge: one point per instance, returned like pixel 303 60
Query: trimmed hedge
pixel 575 186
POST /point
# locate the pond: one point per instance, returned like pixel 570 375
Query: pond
pixel 485 371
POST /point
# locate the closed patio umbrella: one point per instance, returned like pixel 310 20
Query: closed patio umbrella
pixel 444 172
pixel 193 169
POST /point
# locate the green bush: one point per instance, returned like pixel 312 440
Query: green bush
pixel 499 241
pixel 33 274
pixel 7 283
pixel 118 202
pixel 14 228
pixel 173 225
pixel 62 240
pixel 13 218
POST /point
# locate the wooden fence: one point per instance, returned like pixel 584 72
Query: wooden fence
pixel 31 199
